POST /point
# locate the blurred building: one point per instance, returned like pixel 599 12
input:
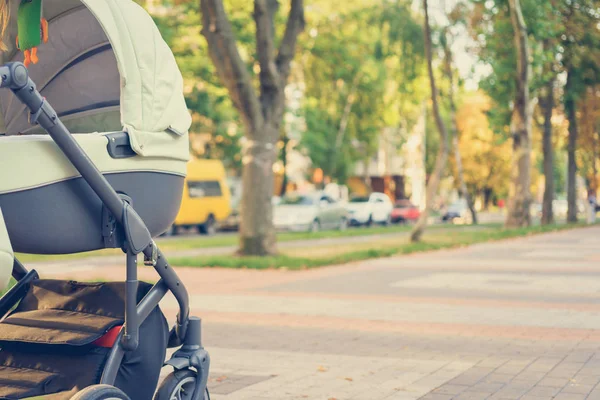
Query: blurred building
pixel 398 166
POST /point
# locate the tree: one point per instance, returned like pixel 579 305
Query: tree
pixel 345 87
pixel 261 113
pixel 581 61
pixel 442 155
pixel 547 104
pixel 520 194
pixel 486 154
pixel 217 130
pixel 448 69
pixel 356 89
pixel 589 139
pixel 549 32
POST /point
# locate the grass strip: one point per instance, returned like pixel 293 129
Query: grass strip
pixel 458 238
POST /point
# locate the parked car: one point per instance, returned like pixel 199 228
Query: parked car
pixel 206 198
pixel 367 210
pixel 309 213
pixel 458 213
pixel 404 211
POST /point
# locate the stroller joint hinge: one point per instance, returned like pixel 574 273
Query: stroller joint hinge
pixel 44 109
pixel 109 229
pixel 151 261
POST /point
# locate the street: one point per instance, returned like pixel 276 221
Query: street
pixel 510 320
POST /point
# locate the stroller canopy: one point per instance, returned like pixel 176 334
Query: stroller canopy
pixel 105 68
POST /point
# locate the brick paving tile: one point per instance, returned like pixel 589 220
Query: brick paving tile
pixel 472 395
pixel 436 396
pixel 450 389
pixel 571 396
pixel 578 388
pixel 543 391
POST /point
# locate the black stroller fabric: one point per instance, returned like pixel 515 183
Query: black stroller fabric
pixel 47 342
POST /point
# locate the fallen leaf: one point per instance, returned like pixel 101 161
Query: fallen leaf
pixel 322 369
pixel 349 379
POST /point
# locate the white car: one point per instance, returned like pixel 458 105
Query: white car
pixel 376 208
pixel 311 212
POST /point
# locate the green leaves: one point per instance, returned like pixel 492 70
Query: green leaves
pixel 361 68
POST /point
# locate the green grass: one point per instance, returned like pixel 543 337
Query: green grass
pixel 433 241
pixel 199 242
pixel 202 242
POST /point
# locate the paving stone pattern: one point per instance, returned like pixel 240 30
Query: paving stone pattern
pixel 510 320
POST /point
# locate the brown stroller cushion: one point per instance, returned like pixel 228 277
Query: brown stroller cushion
pixel 49 342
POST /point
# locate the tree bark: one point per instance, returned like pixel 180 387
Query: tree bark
pixel 262 114
pixel 284 155
pixel 461 180
pixel 339 138
pixel 462 185
pixel 487 197
pixel 520 191
pixel 571 112
pixel 442 154
pixel 548 151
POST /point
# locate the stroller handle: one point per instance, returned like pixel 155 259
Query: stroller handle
pixel 15 76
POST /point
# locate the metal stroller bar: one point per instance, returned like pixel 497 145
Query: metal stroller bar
pixel 19 271
pixel 15 76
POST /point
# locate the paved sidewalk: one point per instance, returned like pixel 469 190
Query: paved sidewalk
pixel 513 320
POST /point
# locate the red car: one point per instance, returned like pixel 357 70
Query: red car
pixel 404 211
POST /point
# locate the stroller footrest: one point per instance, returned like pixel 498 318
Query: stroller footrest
pixel 55 327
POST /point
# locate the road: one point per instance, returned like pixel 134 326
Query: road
pixel 509 320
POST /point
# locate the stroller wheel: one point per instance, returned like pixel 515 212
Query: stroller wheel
pixel 100 392
pixel 179 385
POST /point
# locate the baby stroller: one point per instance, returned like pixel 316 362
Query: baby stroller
pixel 115 183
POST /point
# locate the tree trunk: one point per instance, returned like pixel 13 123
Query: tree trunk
pixel 257 236
pixel 547 148
pixel 571 112
pixel 442 154
pixel 284 182
pixel 461 180
pixel 520 191
pixel 347 113
pixel 262 114
pixel 487 197
pixel 462 185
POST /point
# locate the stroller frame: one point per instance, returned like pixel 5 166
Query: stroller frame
pixel 137 240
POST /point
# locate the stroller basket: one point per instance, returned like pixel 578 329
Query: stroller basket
pixel 53 341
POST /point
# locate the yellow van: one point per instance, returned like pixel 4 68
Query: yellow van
pixel 206 198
